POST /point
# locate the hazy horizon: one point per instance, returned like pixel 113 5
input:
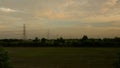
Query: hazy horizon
pixel 65 18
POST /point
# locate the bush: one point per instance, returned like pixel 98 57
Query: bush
pixel 4 59
pixel 117 64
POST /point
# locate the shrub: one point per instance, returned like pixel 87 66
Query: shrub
pixel 117 64
pixel 4 59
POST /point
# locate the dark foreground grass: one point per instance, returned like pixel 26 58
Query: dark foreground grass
pixel 63 57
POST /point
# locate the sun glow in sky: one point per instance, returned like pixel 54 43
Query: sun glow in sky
pixel 66 18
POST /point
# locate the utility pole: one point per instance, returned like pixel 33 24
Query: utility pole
pixel 48 34
pixel 24 32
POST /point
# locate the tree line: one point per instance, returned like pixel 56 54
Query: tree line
pixel 61 42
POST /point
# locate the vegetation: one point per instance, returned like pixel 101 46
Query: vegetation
pixel 60 42
pixel 117 64
pixel 4 59
pixel 56 57
pixel 64 57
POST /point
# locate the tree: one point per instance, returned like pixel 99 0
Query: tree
pixel 36 39
pixel 117 64
pixel 84 38
pixel 43 41
pixel 4 59
pixel 59 42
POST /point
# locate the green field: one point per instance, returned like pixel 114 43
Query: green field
pixel 63 57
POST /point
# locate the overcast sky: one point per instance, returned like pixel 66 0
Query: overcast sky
pixel 67 18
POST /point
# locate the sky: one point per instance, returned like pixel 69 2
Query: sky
pixel 65 18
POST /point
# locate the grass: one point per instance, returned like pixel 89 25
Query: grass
pixel 63 57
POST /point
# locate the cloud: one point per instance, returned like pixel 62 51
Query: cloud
pixel 101 18
pixel 7 9
pixel 76 16
pixel 109 4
